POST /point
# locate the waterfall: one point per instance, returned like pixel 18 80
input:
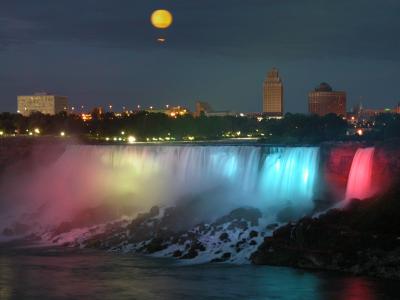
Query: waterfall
pixel 359 184
pixel 220 178
pixel 288 177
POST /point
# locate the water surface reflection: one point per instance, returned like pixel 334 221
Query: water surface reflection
pixel 68 274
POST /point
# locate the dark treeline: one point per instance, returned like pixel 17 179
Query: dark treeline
pixel 142 125
pixel 386 126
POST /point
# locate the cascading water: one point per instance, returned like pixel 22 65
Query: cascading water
pixel 219 177
pixel 359 184
pixel 288 178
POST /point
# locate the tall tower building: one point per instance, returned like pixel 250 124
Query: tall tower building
pixel 273 95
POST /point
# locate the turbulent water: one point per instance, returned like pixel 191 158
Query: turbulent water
pixel 219 178
pixel 60 274
pixel 130 179
pixel 359 185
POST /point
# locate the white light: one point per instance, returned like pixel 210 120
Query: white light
pixel 62 133
pixel 122 132
pixel 131 139
pixel 37 130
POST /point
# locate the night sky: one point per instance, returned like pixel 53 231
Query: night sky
pixel 98 52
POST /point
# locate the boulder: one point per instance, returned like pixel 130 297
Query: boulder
pixel 245 213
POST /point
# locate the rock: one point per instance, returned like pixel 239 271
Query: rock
pixel 253 234
pixel 177 253
pixel 361 239
pixel 224 257
pixel 63 227
pixel 155 245
pixel 224 237
pixel 192 253
pixel 272 226
pixel 154 211
pixel 245 213
pixel 93 244
pixel 238 224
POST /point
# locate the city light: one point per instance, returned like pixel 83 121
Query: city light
pixel 131 139
pixel 37 130
pixel 360 132
pixel 62 133
pixel 86 117
pixel 1 132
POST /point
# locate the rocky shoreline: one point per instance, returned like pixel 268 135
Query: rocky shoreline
pixel 231 238
pixel 363 239
pixel 353 240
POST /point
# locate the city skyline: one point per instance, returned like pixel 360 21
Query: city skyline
pixel 218 53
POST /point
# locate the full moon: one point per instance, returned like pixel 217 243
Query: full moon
pixel 161 19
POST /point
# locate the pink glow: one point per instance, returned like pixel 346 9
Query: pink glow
pixel 359 184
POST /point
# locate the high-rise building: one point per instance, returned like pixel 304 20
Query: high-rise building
pixel 42 102
pixel 324 100
pixel 273 95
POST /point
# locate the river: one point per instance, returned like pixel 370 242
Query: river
pixel 63 273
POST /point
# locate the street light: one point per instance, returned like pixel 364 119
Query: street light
pixel 131 139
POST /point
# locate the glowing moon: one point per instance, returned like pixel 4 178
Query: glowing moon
pixel 161 19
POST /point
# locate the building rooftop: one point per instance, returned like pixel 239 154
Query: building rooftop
pixel 323 87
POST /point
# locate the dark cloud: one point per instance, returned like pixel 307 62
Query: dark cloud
pixel 245 37
pixel 289 29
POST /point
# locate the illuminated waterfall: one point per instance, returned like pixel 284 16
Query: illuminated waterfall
pixel 288 177
pixel 219 177
pixel 359 184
